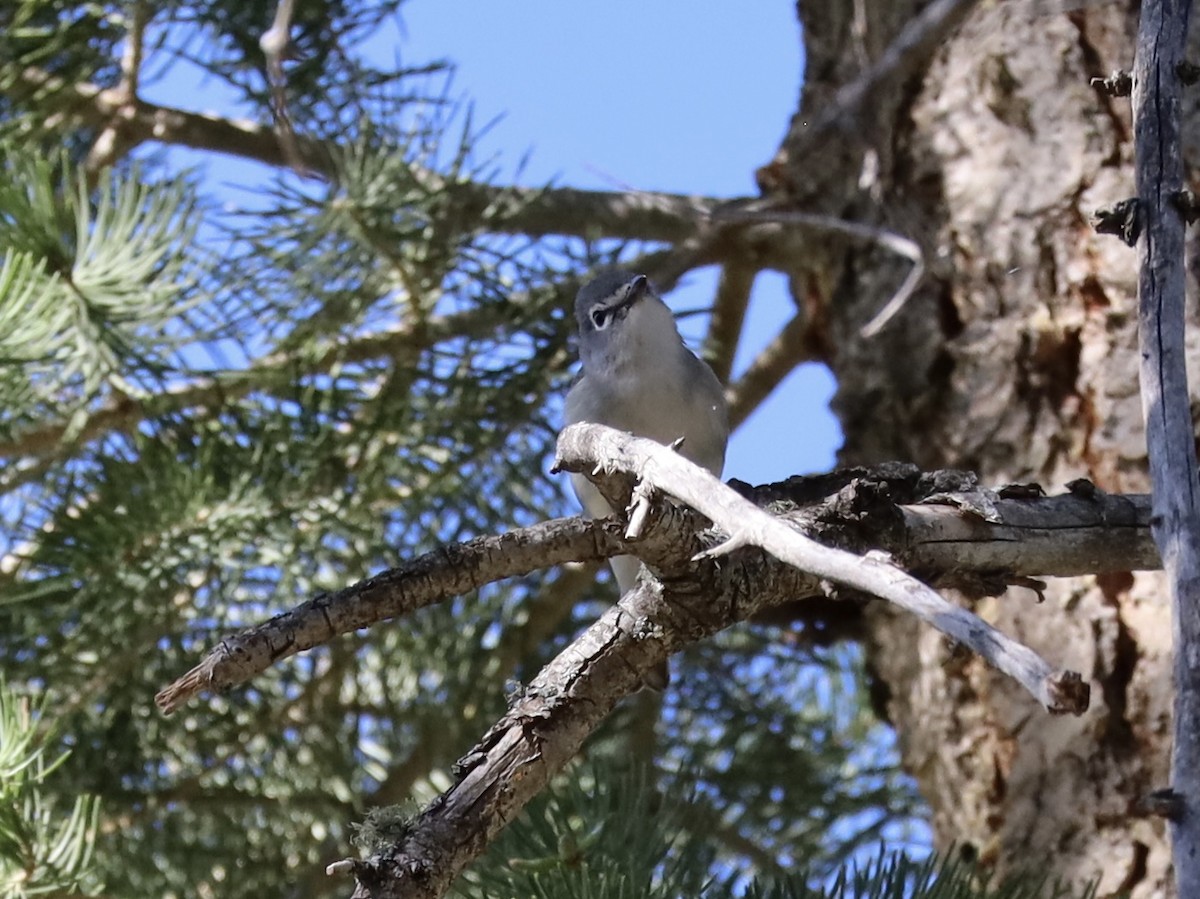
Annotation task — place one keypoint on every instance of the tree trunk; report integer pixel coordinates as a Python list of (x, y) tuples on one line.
[(1017, 358)]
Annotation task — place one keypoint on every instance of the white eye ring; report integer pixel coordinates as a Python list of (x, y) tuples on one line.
[(600, 317)]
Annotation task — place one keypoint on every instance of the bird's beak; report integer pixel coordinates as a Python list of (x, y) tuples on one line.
[(634, 291)]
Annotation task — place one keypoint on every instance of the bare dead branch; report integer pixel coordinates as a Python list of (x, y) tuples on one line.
[(1170, 434), (449, 571), (729, 311), (777, 360), (965, 538), (583, 446), (1059, 536), (544, 728), (549, 721)]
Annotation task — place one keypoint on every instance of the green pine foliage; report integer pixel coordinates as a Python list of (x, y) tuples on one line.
[(46, 845), (602, 835), (599, 833), (895, 876), (94, 277)]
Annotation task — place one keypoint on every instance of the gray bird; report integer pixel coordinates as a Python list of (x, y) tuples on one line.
[(639, 377)]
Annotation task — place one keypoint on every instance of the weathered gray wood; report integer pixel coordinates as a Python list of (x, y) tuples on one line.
[(1059, 536), (1170, 436), (550, 719), (884, 508), (581, 446)]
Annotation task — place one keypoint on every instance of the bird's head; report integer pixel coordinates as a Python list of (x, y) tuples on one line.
[(621, 319)]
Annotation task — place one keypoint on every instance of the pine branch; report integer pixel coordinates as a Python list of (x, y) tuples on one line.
[(34, 448), (736, 229), (92, 296), (42, 850), (122, 414), (633, 215)]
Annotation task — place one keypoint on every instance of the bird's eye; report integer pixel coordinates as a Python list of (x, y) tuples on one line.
[(600, 317)]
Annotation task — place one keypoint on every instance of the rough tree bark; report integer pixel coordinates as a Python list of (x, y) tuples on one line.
[(1017, 358)]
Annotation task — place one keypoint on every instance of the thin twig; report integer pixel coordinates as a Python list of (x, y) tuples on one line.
[(902, 246), (275, 43), (110, 141)]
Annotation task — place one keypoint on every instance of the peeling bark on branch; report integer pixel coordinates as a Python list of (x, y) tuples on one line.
[(1060, 536), (549, 721), (745, 525), (694, 599), (940, 525)]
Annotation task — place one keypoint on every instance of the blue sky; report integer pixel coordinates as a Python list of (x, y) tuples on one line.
[(630, 94), (684, 97)]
